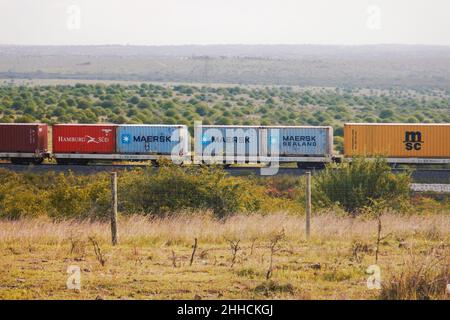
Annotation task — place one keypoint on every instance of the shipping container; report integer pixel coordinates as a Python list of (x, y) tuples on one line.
[(221, 140), (23, 138), (152, 139), (301, 141), (397, 140), (84, 138)]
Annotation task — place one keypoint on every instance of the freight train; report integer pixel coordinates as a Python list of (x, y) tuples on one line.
[(308, 146)]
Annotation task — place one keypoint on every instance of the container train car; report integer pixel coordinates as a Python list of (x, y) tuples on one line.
[(23, 143), (400, 143), (305, 145), (80, 143), (308, 146)]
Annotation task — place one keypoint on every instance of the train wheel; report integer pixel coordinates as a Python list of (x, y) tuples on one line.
[(310, 165), (62, 161), (82, 162), (20, 161), (155, 163), (38, 161)]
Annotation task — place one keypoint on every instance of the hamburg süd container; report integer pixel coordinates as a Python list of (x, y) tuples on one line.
[(23, 138), (397, 140), (84, 138), (153, 139), (300, 140), (221, 140)]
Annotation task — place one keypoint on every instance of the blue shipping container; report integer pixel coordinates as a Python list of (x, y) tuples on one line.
[(232, 140), (152, 139), (300, 141)]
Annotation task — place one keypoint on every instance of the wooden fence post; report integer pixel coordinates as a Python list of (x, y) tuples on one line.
[(308, 205), (114, 208)]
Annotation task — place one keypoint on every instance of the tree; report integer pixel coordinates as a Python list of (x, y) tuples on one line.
[(134, 100)]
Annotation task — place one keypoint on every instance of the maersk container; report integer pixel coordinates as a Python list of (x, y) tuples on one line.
[(397, 140), (153, 139), (23, 138), (221, 140), (84, 138), (296, 141)]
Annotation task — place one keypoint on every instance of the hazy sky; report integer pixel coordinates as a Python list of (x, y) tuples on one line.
[(147, 22)]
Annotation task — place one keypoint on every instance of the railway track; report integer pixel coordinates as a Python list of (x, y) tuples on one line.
[(418, 175)]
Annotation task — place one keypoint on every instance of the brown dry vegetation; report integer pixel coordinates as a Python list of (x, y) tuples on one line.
[(152, 260)]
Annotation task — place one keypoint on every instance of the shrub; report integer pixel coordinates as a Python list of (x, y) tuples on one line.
[(419, 281), (79, 197), (19, 200), (174, 189), (359, 184), (270, 287)]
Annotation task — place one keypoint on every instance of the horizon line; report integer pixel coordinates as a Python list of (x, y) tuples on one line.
[(223, 44)]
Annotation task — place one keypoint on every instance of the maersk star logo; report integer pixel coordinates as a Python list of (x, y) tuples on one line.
[(126, 138), (205, 139)]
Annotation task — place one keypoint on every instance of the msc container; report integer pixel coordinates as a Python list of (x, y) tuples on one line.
[(84, 138), (153, 139), (299, 141), (397, 140), (221, 140), (23, 138)]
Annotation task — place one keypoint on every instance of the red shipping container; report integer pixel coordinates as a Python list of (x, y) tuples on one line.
[(84, 138), (23, 137)]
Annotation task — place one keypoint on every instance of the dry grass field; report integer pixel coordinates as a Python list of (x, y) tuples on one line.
[(232, 258)]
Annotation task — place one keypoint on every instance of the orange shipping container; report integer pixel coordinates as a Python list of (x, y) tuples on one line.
[(397, 140)]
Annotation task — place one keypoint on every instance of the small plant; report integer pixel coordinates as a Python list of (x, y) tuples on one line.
[(194, 248), (98, 252), (234, 247), (174, 259), (358, 250), (270, 287), (274, 247), (376, 210), (247, 273), (77, 247), (252, 246)]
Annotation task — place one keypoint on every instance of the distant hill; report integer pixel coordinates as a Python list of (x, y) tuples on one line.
[(375, 66)]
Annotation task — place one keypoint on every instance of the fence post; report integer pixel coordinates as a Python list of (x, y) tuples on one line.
[(114, 208), (308, 205)]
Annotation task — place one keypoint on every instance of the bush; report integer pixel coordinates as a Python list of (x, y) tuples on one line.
[(174, 189), (359, 184), (18, 200), (79, 197), (170, 189)]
